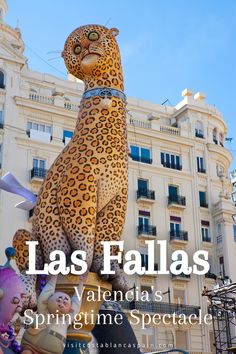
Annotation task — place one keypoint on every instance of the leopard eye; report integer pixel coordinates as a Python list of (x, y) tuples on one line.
[(77, 49), (93, 36)]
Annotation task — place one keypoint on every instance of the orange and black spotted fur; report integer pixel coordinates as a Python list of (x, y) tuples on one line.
[(83, 198)]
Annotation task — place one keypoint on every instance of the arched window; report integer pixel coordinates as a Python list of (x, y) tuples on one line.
[(2, 80), (214, 136), (199, 130)]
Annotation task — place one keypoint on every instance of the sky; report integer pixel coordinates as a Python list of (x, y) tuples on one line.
[(166, 45)]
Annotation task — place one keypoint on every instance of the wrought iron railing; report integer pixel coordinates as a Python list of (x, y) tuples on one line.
[(160, 307), (176, 199), (147, 230), (38, 172), (145, 193), (181, 275), (179, 235)]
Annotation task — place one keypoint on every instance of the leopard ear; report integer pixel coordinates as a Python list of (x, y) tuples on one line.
[(1, 293), (114, 32)]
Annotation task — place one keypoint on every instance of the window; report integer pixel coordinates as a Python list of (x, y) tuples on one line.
[(214, 136), (175, 227), (234, 231), (148, 338), (144, 221), (67, 135), (140, 154), (202, 199), (40, 127), (38, 163), (221, 266), (170, 161), (2, 80), (199, 130), (200, 165), (205, 229), (179, 297), (144, 260), (147, 290)]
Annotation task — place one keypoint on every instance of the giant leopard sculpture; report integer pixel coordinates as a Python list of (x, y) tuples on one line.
[(84, 195)]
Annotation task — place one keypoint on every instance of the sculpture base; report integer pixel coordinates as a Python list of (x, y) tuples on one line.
[(78, 339)]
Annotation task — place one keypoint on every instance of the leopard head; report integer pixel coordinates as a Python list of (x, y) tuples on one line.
[(91, 54)]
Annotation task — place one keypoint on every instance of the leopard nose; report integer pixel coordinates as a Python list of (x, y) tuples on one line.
[(85, 43)]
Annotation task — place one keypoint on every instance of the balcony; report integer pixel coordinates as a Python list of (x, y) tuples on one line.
[(1, 125), (38, 174), (172, 166), (145, 195), (176, 201), (181, 277), (170, 130), (201, 170), (160, 307), (147, 231), (146, 268), (210, 275), (206, 239), (141, 159), (179, 237), (203, 204), (44, 137), (199, 134)]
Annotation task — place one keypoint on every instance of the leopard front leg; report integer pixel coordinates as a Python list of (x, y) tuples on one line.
[(77, 203), (109, 226)]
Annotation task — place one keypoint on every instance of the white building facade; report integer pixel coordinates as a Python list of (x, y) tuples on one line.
[(179, 190)]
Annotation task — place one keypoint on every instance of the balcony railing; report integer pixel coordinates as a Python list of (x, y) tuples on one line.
[(210, 275), (145, 193), (181, 275), (170, 130), (179, 235), (176, 199), (145, 265), (199, 134), (42, 99), (38, 173), (204, 204), (1, 125), (201, 170), (206, 239), (147, 230), (160, 307), (141, 158), (172, 165), (140, 123)]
